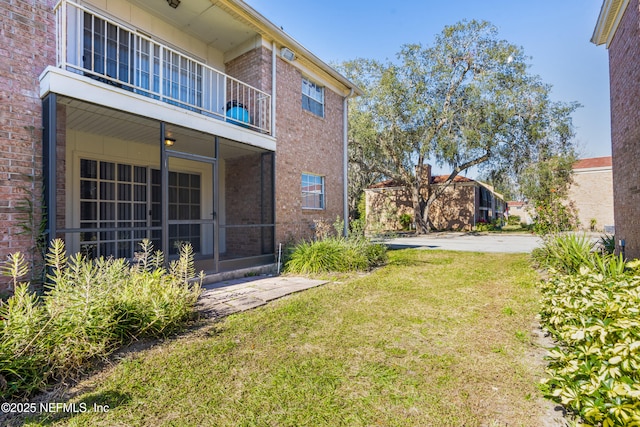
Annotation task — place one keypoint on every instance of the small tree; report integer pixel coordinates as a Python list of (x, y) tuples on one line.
[(546, 184)]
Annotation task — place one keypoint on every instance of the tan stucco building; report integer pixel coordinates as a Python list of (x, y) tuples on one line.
[(592, 193)]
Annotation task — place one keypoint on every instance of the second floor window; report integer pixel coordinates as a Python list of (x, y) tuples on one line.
[(312, 97)]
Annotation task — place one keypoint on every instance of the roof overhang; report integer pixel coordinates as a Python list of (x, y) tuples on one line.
[(610, 16), (232, 27), (270, 31)]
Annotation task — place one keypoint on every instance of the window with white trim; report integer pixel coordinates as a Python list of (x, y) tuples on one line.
[(312, 191), (312, 97)]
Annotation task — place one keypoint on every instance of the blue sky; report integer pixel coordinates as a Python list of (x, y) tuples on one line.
[(554, 33)]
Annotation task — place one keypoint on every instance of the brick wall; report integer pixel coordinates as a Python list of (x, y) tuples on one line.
[(248, 195), (27, 46), (453, 210), (306, 143), (624, 69), (253, 68), (384, 206)]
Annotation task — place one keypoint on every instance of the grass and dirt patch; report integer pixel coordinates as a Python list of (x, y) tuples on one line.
[(433, 338)]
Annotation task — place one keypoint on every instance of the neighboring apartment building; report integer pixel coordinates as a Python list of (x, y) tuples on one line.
[(618, 27), (461, 206), (172, 120), (592, 193), (520, 209)]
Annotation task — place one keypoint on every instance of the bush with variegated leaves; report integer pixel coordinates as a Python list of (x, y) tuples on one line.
[(595, 368)]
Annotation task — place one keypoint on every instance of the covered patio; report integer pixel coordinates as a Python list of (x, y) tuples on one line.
[(114, 178)]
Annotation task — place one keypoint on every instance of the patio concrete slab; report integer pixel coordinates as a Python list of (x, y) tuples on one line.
[(233, 296)]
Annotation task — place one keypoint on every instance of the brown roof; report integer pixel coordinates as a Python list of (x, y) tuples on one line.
[(594, 162), (515, 204), (385, 184), (434, 180), (442, 178)]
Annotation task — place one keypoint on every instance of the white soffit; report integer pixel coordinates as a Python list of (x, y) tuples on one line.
[(610, 16)]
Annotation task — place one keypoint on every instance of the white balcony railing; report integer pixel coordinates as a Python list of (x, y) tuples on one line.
[(97, 47)]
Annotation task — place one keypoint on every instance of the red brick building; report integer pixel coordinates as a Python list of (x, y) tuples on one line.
[(618, 28), (176, 121)]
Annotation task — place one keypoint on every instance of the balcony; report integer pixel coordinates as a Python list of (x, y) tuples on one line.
[(95, 46)]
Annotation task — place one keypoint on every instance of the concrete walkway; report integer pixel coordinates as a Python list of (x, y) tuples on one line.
[(233, 296)]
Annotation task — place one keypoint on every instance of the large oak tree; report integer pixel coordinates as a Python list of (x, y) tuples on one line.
[(468, 100)]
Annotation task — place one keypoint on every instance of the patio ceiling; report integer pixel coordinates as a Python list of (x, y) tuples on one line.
[(202, 19), (90, 118)]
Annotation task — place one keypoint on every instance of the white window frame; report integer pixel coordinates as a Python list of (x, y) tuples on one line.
[(309, 182), (312, 96)]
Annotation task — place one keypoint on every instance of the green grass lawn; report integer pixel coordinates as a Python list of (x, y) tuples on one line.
[(432, 339)]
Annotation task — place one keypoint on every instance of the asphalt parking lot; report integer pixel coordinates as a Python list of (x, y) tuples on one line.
[(471, 242)]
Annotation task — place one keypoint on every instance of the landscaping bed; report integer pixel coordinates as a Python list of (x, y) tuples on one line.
[(90, 308), (590, 307)]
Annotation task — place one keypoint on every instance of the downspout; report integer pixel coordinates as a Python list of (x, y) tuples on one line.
[(274, 58), (345, 162)]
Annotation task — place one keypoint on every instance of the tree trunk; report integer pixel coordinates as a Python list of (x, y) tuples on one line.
[(425, 217), (422, 227)]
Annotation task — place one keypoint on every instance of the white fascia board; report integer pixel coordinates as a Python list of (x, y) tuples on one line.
[(609, 18), (73, 85)]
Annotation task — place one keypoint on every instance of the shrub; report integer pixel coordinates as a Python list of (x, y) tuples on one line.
[(590, 306), (406, 221), (564, 252), (90, 308), (513, 227), (595, 369), (607, 244), (569, 253), (514, 220), (554, 216), (483, 225), (23, 358), (334, 255)]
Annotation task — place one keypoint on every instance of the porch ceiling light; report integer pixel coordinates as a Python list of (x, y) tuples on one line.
[(173, 3), (169, 141)]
